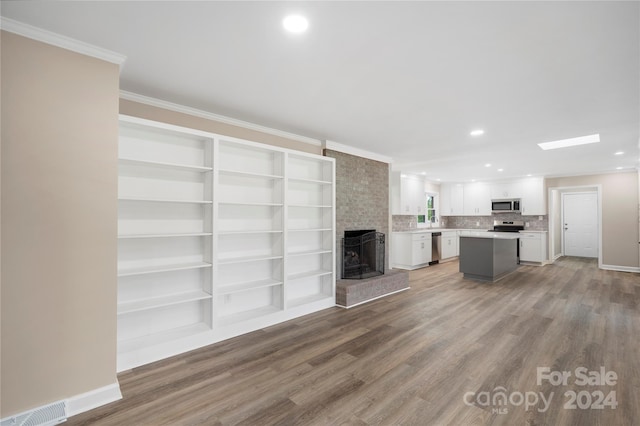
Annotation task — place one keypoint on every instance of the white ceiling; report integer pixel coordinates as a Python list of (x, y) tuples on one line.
[(408, 80)]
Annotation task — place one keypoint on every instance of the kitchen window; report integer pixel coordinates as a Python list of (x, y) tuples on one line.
[(430, 217)]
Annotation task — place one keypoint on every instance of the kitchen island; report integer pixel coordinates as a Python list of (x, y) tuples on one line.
[(488, 256)]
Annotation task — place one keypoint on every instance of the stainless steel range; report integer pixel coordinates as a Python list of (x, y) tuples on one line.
[(507, 226)]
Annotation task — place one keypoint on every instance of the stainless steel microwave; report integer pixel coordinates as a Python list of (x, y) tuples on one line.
[(505, 206)]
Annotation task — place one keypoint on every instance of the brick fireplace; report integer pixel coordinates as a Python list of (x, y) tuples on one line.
[(362, 196), (362, 203)]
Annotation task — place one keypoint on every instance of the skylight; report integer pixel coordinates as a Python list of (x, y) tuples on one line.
[(295, 23), (563, 143)]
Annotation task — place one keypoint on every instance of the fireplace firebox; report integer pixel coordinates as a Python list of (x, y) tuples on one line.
[(363, 254)]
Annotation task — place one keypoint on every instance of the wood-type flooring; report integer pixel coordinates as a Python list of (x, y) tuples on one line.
[(449, 351)]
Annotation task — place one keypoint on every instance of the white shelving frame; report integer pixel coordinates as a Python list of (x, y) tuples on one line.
[(218, 236), (165, 237)]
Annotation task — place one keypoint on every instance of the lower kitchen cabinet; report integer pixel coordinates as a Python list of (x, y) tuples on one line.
[(533, 247), (449, 246), (411, 250)]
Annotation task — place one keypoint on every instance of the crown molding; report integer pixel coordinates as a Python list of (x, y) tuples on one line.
[(64, 42), (346, 149), (134, 97)]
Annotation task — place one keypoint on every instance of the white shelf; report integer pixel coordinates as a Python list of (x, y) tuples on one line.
[(310, 230), (195, 234), (227, 261), (322, 182), (309, 252), (247, 315), (162, 268), (157, 200), (251, 231), (240, 287), (307, 299), (320, 206), (259, 231), (150, 340), (306, 274), (249, 204), (159, 302), (163, 165), (248, 174)]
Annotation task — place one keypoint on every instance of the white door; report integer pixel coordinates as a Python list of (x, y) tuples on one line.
[(580, 224)]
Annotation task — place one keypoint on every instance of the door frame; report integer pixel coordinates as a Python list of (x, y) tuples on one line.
[(554, 221)]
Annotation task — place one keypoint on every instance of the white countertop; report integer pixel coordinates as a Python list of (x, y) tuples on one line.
[(430, 230), (491, 235)]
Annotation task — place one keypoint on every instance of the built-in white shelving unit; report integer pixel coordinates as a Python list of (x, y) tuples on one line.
[(217, 236), (310, 225), (250, 243), (165, 237)]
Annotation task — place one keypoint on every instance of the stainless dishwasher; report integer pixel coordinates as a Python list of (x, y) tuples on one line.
[(436, 247)]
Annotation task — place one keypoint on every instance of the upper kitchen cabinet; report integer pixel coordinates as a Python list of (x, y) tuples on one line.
[(533, 200), (477, 199), (506, 190), (408, 195), (451, 199)]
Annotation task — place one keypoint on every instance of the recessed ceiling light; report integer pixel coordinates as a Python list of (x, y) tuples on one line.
[(295, 23), (473, 180), (619, 153), (477, 132), (423, 173), (403, 175), (487, 165), (563, 143), (501, 170), (618, 168), (438, 179), (529, 175)]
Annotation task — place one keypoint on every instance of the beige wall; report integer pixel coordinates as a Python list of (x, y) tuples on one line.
[(59, 223), (149, 112), (619, 214)]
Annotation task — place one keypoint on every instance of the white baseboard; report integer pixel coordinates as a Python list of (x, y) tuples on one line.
[(621, 268), (93, 399)]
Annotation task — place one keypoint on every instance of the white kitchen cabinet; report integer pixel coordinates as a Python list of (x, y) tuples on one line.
[(533, 200), (411, 250), (477, 199), (421, 252), (451, 199), (449, 246), (506, 190), (408, 195), (533, 247), (217, 237)]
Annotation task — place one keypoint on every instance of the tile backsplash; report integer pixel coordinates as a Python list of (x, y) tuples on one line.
[(401, 223), (409, 223)]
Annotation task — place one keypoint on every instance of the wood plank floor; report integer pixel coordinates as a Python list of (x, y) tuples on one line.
[(412, 358)]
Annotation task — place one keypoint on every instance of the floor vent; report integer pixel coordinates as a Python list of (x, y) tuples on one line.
[(48, 415)]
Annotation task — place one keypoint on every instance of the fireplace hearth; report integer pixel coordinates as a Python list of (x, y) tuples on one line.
[(363, 254)]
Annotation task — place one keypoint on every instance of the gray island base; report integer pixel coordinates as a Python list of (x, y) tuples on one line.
[(487, 256)]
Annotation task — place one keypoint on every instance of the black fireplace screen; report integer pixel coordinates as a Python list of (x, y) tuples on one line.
[(363, 253)]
